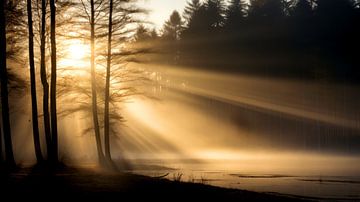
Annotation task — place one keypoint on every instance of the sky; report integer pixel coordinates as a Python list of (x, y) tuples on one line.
[(160, 10)]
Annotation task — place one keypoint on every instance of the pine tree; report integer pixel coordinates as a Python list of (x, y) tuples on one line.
[(215, 13), (235, 14), (191, 7), (173, 26)]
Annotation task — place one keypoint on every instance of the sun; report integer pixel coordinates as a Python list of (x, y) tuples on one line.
[(77, 51), (76, 54)]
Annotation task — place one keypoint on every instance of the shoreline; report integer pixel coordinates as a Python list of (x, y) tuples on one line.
[(93, 185)]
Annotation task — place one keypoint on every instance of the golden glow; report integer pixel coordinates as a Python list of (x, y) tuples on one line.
[(77, 51), (75, 55)]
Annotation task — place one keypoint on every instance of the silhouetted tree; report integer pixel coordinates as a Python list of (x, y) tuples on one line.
[(153, 34), (1, 147), (91, 14), (120, 17), (54, 130), (171, 36), (191, 7), (142, 33), (215, 12), (9, 156), (173, 26), (107, 86), (34, 108), (44, 80), (235, 14), (266, 9)]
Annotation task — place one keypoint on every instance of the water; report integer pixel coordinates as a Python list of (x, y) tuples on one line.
[(292, 137), (319, 187)]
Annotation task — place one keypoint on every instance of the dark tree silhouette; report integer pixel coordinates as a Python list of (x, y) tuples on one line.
[(34, 108), (9, 156), (142, 33), (1, 147), (93, 84), (54, 130), (191, 7), (268, 9), (44, 80), (195, 23), (171, 36), (215, 13), (173, 26), (234, 14), (107, 87), (120, 16)]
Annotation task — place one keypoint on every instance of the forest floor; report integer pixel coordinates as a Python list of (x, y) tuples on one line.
[(70, 184)]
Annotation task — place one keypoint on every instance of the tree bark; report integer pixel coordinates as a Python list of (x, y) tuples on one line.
[(9, 155), (107, 90), (34, 108), (53, 119), (93, 85), (44, 81)]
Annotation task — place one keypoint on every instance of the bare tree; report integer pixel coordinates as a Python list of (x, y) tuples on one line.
[(107, 89), (54, 131), (1, 149), (34, 108), (44, 81), (9, 155), (120, 17)]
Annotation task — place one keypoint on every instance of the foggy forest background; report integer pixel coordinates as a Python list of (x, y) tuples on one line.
[(304, 39)]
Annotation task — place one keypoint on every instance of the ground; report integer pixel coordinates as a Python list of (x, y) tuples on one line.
[(70, 184)]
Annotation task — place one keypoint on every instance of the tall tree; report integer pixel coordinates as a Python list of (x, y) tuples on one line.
[(173, 26), (9, 155), (267, 9), (34, 108), (44, 80), (107, 88), (53, 119), (120, 17), (142, 33), (93, 84), (196, 23), (191, 7), (234, 14), (1, 147), (215, 12)]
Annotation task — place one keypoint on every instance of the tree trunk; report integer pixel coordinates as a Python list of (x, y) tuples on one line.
[(9, 155), (107, 90), (54, 131), (93, 85), (44, 81), (1, 149), (34, 108)]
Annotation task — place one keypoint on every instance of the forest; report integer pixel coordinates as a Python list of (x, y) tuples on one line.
[(304, 39), (54, 31), (257, 95)]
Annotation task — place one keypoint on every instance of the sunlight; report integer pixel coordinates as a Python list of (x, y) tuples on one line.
[(75, 56), (77, 51)]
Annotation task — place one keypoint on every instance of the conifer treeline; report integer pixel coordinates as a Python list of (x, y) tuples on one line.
[(307, 38)]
